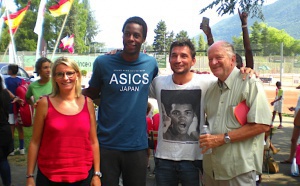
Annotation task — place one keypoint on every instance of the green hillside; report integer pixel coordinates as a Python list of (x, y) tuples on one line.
[(282, 14)]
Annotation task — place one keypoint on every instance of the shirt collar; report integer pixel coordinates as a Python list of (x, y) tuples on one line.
[(228, 83)]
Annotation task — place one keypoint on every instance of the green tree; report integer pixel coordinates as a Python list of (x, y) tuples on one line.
[(201, 43), (147, 47), (80, 22), (193, 40), (253, 7), (159, 43), (170, 39), (95, 47), (269, 39), (92, 26), (182, 35)]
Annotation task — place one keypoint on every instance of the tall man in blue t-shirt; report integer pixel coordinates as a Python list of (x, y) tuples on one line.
[(123, 81)]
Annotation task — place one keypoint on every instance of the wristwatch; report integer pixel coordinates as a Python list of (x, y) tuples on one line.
[(226, 138), (99, 174)]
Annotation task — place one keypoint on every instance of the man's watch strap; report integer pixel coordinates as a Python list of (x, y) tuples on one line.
[(226, 138)]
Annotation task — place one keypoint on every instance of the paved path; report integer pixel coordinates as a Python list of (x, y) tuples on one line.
[(281, 139)]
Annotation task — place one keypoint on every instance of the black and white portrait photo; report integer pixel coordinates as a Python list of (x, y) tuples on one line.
[(181, 114)]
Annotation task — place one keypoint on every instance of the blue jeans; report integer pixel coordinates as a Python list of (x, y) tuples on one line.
[(171, 173)]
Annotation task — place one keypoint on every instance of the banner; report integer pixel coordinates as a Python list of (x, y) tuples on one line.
[(15, 19), (67, 43), (40, 18), (61, 8)]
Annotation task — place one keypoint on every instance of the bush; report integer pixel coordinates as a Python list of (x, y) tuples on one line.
[(83, 72)]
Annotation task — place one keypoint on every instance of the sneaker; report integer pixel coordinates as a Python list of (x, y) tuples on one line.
[(279, 127), (12, 153), (22, 151)]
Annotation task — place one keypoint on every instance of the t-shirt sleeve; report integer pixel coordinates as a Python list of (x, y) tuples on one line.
[(29, 92), (280, 93)]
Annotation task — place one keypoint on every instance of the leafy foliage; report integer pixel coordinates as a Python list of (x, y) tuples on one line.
[(275, 15), (268, 40), (159, 43), (182, 35), (253, 7), (81, 22)]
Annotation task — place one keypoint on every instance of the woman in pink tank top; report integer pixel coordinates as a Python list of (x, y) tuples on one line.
[(64, 142)]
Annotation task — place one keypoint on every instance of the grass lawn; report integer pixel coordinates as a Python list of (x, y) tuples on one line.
[(18, 159)]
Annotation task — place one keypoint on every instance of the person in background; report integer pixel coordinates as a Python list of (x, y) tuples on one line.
[(42, 86), (233, 160), (12, 83), (6, 141), (277, 103), (122, 81), (155, 119), (64, 143), (295, 134), (149, 127)]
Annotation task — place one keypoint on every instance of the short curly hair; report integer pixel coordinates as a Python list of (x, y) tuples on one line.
[(137, 20), (39, 63)]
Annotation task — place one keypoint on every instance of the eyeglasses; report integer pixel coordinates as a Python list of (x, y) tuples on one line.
[(69, 74)]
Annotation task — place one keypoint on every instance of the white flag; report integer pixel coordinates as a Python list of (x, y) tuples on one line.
[(40, 18)]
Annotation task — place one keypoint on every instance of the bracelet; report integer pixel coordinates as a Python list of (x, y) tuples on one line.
[(29, 175), (244, 26)]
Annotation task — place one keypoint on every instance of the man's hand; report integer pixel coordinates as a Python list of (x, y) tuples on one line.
[(18, 100), (37, 102), (208, 141), (113, 52), (206, 31), (248, 71), (166, 119), (243, 17), (291, 108)]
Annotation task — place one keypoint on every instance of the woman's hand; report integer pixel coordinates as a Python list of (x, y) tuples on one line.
[(30, 181), (96, 181)]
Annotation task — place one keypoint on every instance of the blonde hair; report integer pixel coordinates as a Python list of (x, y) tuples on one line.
[(70, 63)]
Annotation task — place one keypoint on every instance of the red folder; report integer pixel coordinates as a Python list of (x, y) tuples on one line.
[(241, 111)]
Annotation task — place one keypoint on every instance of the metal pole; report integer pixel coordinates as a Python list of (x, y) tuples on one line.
[(58, 38), (281, 54)]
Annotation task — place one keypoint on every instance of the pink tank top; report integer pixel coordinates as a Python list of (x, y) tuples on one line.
[(65, 153)]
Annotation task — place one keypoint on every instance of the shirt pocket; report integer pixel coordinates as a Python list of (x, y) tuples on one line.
[(231, 122)]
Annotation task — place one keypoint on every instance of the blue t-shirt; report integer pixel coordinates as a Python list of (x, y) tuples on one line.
[(12, 84), (124, 94)]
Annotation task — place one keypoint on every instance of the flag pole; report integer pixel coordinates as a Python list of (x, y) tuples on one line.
[(38, 29), (12, 39), (61, 30)]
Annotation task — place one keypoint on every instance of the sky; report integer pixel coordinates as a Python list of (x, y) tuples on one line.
[(177, 14)]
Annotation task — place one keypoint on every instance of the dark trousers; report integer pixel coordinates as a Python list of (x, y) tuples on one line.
[(5, 172), (42, 180), (132, 165)]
